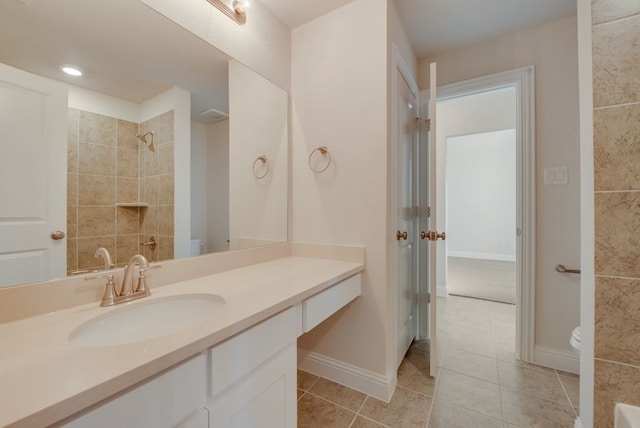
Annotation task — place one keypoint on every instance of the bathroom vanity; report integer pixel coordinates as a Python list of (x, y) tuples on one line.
[(234, 367)]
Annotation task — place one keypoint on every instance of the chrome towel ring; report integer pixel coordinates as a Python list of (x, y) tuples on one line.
[(325, 153), (265, 165)]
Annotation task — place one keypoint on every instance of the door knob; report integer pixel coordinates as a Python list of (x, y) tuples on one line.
[(402, 235), (433, 236), (57, 235)]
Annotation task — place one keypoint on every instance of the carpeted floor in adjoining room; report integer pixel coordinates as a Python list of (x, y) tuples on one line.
[(482, 279)]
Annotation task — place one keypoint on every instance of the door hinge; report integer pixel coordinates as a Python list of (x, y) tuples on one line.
[(427, 122), (428, 212), (428, 298)]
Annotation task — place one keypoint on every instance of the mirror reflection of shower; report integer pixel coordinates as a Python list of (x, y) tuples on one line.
[(148, 143)]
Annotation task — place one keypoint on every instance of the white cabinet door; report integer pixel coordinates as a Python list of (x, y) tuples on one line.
[(198, 420), (266, 398), (163, 401)]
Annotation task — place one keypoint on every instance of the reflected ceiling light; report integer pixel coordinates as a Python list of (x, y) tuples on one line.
[(235, 11), (72, 71)]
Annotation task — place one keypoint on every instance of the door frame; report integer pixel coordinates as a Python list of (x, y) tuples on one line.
[(523, 80)]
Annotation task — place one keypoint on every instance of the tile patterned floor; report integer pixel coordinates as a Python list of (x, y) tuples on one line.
[(479, 384)]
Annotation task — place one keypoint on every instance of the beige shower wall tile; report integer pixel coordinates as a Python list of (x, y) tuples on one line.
[(165, 128), (149, 162), (616, 59), (96, 159), (73, 124), (126, 247), (72, 189), (96, 221), (127, 190), (72, 255), (617, 148), (127, 163), (97, 129), (165, 158), (87, 249), (608, 10), (72, 221), (614, 383), (126, 134), (149, 190), (617, 243), (149, 221), (617, 320), (96, 189), (165, 248), (165, 220), (165, 189), (127, 220), (72, 157)]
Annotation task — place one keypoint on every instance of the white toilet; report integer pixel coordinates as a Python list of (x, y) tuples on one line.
[(196, 247), (575, 340)]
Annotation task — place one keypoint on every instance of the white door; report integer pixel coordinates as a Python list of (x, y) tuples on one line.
[(33, 170), (406, 140), (427, 221)]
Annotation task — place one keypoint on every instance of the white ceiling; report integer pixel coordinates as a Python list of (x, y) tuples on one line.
[(435, 26), (124, 48)]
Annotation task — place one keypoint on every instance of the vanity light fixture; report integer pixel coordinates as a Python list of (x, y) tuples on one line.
[(72, 71), (235, 11)]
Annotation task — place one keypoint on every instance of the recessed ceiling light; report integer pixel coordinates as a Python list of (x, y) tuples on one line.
[(72, 71)]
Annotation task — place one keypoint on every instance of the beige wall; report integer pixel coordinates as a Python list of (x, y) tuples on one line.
[(616, 98), (263, 43), (339, 99), (258, 126), (552, 49)]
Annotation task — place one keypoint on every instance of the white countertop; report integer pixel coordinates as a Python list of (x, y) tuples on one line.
[(44, 378)]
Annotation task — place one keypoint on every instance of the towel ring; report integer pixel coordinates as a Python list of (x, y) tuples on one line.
[(325, 152), (265, 161)]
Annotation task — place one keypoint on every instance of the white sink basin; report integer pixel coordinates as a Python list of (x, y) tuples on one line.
[(627, 416), (146, 319)]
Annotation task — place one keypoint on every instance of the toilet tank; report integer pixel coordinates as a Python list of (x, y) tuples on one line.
[(195, 247)]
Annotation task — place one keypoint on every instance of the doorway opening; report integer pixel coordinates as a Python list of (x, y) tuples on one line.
[(477, 133), (518, 246)]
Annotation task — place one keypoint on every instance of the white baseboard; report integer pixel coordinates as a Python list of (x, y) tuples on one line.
[(578, 423), (441, 290), (555, 358), (345, 374), (482, 256)]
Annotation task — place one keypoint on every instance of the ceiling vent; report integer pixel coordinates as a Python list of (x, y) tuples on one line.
[(213, 115)]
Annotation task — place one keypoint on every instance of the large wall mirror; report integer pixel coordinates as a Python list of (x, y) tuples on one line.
[(165, 146)]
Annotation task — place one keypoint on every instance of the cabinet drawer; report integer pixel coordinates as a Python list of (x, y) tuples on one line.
[(321, 306), (237, 356), (163, 401)]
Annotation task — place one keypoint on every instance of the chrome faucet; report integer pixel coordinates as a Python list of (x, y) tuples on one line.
[(127, 291), (104, 253)]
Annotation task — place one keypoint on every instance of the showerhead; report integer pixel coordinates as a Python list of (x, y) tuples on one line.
[(143, 138)]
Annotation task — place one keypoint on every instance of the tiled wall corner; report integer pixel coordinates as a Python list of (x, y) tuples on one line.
[(616, 86), (156, 163), (108, 166)]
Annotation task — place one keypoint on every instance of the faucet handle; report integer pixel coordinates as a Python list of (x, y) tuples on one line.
[(142, 280), (109, 292)]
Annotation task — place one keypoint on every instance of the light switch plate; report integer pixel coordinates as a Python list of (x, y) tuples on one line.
[(556, 175)]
